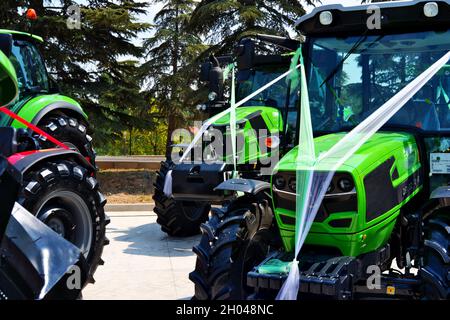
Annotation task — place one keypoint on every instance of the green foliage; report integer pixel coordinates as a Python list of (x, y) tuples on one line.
[(144, 91), (170, 70), (97, 64), (224, 22)]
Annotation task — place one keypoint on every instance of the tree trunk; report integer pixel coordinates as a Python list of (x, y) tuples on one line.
[(172, 117)]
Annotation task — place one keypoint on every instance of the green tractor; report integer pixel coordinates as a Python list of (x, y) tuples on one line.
[(183, 211), (383, 227), (44, 192), (39, 101)]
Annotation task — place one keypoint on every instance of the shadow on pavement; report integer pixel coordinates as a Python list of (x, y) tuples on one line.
[(149, 240)]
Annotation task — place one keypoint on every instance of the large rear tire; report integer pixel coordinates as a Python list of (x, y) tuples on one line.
[(71, 131), (234, 241), (177, 218), (436, 261), (65, 196)]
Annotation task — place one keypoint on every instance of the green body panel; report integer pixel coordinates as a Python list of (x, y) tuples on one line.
[(8, 81), (20, 33), (250, 152), (361, 236), (30, 108)]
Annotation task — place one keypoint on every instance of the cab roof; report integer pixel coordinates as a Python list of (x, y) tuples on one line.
[(397, 16), (22, 34)]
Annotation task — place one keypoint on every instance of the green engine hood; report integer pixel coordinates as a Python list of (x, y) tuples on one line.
[(386, 175), (377, 147)]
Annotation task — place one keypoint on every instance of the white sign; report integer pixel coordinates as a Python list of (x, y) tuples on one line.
[(440, 163)]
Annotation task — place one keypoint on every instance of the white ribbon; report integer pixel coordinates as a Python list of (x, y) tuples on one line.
[(318, 183)]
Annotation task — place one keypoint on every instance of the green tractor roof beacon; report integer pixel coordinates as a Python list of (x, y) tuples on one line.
[(39, 100), (182, 213), (389, 200)]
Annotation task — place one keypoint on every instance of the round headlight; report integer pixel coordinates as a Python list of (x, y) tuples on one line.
[(326, 18), (293, 184), (279, 182), (431, 9), (212, 96), (346, 185)]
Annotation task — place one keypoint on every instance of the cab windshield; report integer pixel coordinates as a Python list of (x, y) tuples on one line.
[(30, 68), (349, 78), (275, 96)]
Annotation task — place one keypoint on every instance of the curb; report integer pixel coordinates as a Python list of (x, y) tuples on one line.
[(130, 207)]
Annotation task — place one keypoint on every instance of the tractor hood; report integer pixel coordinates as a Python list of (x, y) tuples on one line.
[(271, 117), (386, 167), (374, 150)]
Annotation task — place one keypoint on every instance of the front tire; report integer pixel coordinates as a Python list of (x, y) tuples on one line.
[(234, 241), (65, 196), (177, 218), (436, 260)]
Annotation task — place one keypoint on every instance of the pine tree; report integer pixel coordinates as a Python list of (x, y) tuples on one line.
[(224, 22), (169, 66), (88, 63)]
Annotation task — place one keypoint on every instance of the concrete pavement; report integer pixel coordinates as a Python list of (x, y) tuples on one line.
[(142, 262)]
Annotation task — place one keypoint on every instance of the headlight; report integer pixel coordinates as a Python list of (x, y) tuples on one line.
[(293, 184), (279, 182), (201, 107), (326, 18), (212, 96), (431, 9), (346, 185)]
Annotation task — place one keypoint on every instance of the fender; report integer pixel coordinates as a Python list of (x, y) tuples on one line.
[(33, 110), (26, 160), (39, 256), (247, 186)]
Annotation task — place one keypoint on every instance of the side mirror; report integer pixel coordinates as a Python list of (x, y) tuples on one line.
[(205, 68), (245, 53), (212, 73), (9, 88), (215, 80)]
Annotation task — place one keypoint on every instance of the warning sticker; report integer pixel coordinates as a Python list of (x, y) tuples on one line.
[(440, 163)]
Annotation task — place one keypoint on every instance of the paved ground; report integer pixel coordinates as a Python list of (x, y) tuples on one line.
[(141, 262)]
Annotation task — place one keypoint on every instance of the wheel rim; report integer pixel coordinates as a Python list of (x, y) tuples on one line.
[(67, 214), (193, 211)]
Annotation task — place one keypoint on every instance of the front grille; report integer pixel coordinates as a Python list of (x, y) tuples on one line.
[(335, 201)]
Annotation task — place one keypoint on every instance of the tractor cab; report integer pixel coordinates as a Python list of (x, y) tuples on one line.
[(259, 59), (32, 77), (380, 204)]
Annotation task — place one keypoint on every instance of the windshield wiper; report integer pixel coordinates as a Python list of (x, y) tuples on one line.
[(352, 50)]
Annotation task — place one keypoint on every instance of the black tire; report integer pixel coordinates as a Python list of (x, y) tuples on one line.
[(65, 196), (235, 239), (69, 130), (177, 218), (436, 260)]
